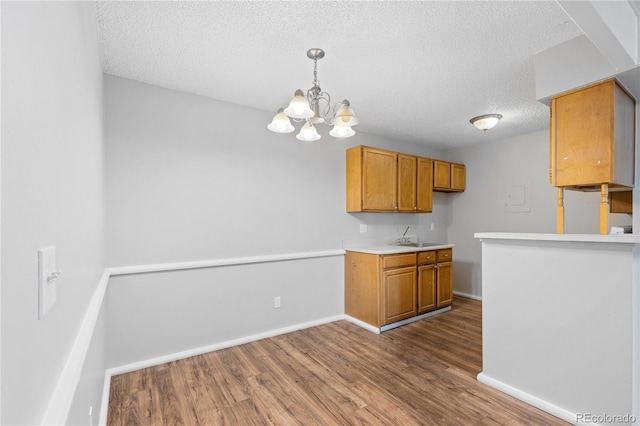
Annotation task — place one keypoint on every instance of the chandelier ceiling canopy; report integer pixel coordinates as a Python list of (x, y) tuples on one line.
[(315, 108)]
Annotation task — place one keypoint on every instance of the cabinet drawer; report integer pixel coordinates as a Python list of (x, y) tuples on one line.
[(445, 255), (425, 257), (398, 260)]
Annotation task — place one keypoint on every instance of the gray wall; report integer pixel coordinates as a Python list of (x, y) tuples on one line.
[(53, 191), (492, 169), (191, 178)]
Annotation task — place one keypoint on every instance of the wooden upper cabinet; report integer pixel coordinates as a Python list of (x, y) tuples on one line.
[(407, 170), (441, 174), (371, 179), (385, 181), (448, 177), (424, 185), (592, 137), (458, 177)]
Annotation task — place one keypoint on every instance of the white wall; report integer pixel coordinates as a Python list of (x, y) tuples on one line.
[(52, 191), (558, 322), (191, 178), (164, 313), (491, 169)]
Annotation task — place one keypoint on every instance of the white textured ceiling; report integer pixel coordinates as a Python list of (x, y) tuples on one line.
[(416, 71)]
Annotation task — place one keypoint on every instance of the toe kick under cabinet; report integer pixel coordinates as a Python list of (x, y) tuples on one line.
[(389, 290)]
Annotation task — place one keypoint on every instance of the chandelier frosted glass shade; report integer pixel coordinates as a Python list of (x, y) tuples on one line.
[(308, 133), (315, 108), (345, 116), (342, 132), (299, 106), (485, 122), (281, 123)]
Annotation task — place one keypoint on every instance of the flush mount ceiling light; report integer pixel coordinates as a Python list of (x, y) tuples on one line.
[(314, 109), (485, 122)]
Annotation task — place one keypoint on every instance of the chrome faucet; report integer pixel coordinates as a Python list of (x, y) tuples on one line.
[(403, 239)]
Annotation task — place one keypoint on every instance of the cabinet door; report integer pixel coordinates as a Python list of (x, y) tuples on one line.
[(441, 174), (407, 170), (582, 142), (378, 180), (445, 283), (399, 290), (424, 185), (427, 288), (458, 177), (621, 202)]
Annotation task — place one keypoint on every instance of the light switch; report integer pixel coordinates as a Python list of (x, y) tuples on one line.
[(47, 275), (363, 228)]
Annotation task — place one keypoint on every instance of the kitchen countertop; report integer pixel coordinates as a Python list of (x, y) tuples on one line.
[(381, 247), (573, 238)]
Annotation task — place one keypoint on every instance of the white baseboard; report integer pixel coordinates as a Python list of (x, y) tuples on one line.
[(362, 324), (62, 398), (546, 406), (467, 295), (199, 351)]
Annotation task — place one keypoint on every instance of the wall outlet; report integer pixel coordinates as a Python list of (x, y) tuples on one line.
[(433, 226), (276, 302), (363, 228)]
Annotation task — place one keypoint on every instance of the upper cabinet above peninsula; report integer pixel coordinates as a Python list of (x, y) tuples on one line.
[(379, 180), (592, 137)]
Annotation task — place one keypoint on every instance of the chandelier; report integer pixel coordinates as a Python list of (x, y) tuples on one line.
[(314, 109)]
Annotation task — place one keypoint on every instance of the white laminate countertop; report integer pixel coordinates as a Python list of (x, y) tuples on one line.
[(576, 238), (389, 248)]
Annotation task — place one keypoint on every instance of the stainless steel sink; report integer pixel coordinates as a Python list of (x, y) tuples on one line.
[(418, 244)]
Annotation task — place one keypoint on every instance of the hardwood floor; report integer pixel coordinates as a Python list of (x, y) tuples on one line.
[(423, 373)]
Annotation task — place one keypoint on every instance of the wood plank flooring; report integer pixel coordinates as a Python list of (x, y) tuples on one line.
[(423, 373)]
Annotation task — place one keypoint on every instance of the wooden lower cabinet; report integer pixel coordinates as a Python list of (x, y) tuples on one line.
[(445, 284), (427, 288), (435, 280), (399, 294), (384, 289)]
